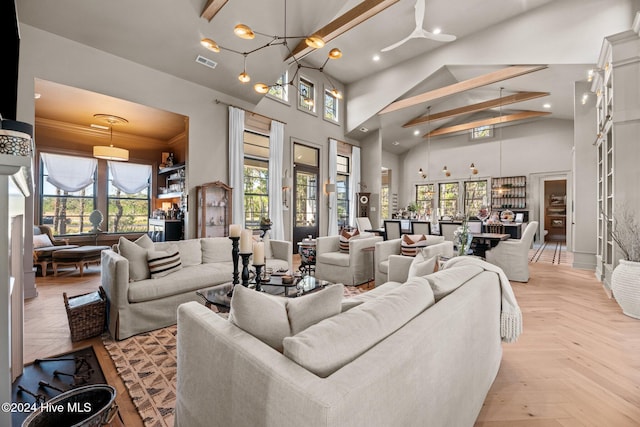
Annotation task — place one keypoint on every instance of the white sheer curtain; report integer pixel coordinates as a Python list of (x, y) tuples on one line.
[(332, 229), (130, 177), (354, 185), (69, 173), (276, 154), (236, 163)]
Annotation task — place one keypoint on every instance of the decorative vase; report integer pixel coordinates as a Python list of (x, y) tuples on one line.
[(625, 285), (463, 240)]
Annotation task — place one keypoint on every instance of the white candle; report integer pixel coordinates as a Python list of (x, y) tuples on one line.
[(245, 242), (258, 253), (234, 230)]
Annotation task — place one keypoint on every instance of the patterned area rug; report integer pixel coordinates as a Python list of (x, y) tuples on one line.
[(551, 253), (147, 364)]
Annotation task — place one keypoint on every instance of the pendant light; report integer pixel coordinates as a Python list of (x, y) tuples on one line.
[(110, 152)]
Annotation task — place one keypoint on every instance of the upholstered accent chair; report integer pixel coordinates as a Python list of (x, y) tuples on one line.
[(44, 245), (350, 268), (512, 255)]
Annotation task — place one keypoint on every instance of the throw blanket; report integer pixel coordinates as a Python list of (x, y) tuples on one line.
[(510, 315)]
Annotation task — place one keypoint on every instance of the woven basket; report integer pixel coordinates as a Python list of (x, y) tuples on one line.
[(86, 320)]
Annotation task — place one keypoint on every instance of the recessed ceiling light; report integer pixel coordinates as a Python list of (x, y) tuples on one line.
[(416, 132), (376, 57), (547, 105), (36, 95), (395, 143), (364, 129), (437, 30)]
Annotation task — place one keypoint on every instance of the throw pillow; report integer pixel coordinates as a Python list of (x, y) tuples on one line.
[(448, 280), (163, 263), (411, 244), (216, 249), (271, 318), (421, 266), (190, 250), (41, 241), (309, 309), (345, 236), (136, 253)]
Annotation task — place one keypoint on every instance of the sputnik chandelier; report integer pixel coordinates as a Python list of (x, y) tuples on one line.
[(243, 31)]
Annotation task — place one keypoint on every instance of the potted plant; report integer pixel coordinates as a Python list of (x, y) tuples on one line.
[(625, 280)]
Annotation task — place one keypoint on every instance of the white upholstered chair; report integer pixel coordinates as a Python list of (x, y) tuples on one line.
[(512, 255), (353, 268), (392, 229), (420, 227)]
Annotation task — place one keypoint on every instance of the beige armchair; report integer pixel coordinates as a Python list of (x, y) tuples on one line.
[(512, 255), (353, 268), (396, 271)]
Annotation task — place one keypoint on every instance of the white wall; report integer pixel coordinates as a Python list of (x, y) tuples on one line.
[(392, 162), (47, 56), (536, 147)]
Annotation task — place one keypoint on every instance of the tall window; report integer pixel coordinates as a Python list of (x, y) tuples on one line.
[(256, 179), (342, 191), (281, 89), (448, 197), (307, 95), (475, 194), (128, 208), (67, 212), (384, 193), (330, 106), (424, 197)]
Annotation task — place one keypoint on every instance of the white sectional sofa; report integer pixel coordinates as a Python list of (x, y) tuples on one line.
[(420, 353), (138, 303)]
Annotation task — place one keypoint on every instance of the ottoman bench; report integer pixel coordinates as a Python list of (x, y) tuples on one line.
[(80, 256)]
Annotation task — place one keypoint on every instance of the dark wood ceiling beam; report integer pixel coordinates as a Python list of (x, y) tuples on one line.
[(486, 122), (474, 108), (212, 7), (344, 23), (476, 82)]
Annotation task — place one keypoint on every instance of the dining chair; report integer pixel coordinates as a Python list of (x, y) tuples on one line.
[(447, 229), (363, 223), (475, 226), (392, 229), (420, 227)]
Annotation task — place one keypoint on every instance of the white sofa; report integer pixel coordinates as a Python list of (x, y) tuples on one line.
[(389, 248), (415, 363), (353, 268), (148, 304)]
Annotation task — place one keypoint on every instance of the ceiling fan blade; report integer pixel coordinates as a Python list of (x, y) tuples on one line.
[(438, 37), (401, 42)]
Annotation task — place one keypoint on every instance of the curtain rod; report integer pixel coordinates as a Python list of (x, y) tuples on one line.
[(217, 101)]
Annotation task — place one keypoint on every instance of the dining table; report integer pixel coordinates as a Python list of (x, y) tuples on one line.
[(482, 242)]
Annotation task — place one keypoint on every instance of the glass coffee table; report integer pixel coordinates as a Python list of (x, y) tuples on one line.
[(219, 296)]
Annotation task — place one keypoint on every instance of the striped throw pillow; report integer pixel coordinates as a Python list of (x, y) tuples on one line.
[(163, 263), (344, 240), (411, 244)]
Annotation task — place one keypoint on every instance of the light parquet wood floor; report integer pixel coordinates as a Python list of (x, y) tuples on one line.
[(577, 362)]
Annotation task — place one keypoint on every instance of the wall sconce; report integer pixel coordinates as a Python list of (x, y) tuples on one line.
[(474, 170), (445, 171), (287, 183), (422, 174), (329, 188)]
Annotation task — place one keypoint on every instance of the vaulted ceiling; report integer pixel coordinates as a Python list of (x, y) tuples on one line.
[(562, 36)]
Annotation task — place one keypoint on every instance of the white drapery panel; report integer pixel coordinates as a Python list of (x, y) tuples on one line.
[(354, 185), (129, 177), (236, 163), (332, 229), (276, 154), (69, 173)]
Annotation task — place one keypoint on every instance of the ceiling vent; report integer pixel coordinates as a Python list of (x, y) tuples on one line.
[(206, 61)]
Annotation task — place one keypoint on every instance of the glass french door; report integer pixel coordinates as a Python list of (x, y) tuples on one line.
[(306, 194)]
